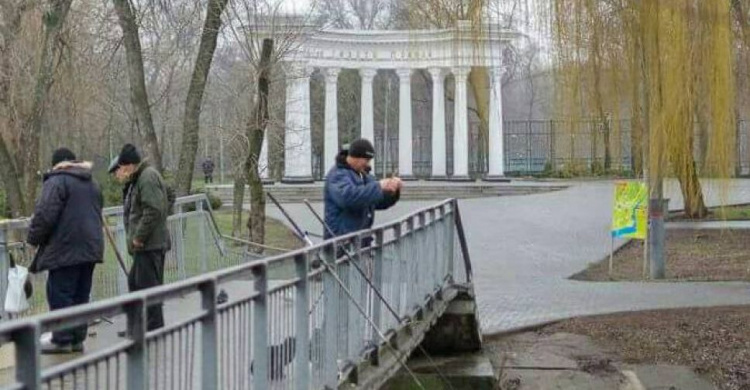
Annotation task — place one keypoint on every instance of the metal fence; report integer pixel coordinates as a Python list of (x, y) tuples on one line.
[(197, 247), (300, 331), (535, 146)]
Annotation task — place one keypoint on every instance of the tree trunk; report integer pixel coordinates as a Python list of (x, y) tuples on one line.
[(138, 94), (11, 177), (479, 79), (238, 195), (191, 122), (637, 121), (692, 193), (702, 142), (255, 128), (599, 102), (636, 128), (607, 145), (53, 21), (12, 186)]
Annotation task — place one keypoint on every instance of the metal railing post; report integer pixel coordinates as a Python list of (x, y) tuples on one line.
[(302, 323), (355, 335), (343, 320), (423, 270), (447, 239), (462, 242), (450, 238), (137, 354), (260, 330), (4, 266), (28, 359), (179, 245), (431, 254), (399, 272), (330, 322), (408, 241), (202, 235), (122, 247), (377, 277), (209, 337)]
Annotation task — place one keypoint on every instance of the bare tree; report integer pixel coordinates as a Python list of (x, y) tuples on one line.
[(266, 36), (195, 94), (255, 132), (25, 123), (138, 94), (355, 14)]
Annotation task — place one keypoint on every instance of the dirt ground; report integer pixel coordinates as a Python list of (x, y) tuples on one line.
[(714, 342), (692, 255)]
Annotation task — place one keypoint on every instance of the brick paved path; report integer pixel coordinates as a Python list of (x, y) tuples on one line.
[(525, 247)]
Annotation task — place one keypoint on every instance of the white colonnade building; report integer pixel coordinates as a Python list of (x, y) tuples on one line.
[(441, 52)]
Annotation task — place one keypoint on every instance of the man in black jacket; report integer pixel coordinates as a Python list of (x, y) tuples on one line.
[(67, 230)]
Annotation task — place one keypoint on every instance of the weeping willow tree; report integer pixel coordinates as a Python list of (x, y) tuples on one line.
[(669, 63)]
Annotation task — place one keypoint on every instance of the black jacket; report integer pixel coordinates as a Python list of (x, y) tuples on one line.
[(351, 199), (66, 226)]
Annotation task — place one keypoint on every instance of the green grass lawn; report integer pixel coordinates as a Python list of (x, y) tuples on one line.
[(729, 213), (277, 234), (737, 213)]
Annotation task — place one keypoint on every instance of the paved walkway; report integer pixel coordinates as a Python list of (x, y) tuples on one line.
[(525, 247)]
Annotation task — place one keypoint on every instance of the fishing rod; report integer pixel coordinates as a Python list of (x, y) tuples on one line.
[(303, 236), (378, 293), (112, 243)]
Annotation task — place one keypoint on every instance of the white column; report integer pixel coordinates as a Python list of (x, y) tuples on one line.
[(438, 123), (461, 126), (404, 124), (297, 143), (497, 158), (367, 108), (263, 158), (331, 141)]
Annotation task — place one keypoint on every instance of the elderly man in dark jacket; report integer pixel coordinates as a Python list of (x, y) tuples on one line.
[(352, 195), (145, 211), (67, 229), (208, 170)]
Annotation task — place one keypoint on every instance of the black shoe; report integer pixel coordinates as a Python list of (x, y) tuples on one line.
[(50, 348), (123, 333)]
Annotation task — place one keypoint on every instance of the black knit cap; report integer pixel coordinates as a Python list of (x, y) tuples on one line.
[(62, 154), (361, 148), (128, 155)]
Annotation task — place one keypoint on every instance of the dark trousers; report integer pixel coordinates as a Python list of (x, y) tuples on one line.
[(208, 177), (148, 271), (66, 287)]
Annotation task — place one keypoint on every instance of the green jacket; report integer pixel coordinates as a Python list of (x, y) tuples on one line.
[(145, 210)]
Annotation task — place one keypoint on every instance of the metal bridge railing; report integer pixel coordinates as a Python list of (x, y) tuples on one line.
[(295, 331), (197, 248)]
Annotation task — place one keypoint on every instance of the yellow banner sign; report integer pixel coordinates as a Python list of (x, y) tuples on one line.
[(630, 212)]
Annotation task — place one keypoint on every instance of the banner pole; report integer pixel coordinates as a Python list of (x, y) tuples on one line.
[(611, 253)]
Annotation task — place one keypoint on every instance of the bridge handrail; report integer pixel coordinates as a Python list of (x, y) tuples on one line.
[(188, 229), (423, 264)]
